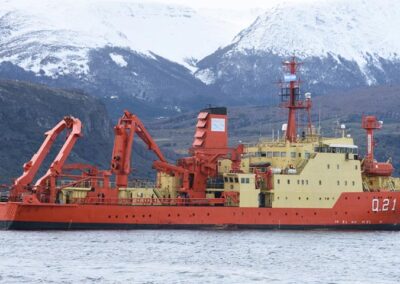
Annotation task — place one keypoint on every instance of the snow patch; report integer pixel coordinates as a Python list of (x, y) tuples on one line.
[(118, 59), (206, 76)]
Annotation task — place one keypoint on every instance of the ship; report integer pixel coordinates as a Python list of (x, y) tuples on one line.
[(293, 181)]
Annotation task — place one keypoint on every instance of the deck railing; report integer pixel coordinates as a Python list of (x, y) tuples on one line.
[(148, 201)]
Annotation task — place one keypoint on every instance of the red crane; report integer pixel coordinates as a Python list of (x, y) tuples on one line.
[(125, 130), (370, 166), (24, 182)]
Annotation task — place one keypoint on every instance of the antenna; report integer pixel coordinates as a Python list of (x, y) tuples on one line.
[(290, 97)]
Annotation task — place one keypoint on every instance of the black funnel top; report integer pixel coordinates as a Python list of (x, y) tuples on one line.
[(215, 110)]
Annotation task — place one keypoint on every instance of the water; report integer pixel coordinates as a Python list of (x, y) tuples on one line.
[(168, 256)]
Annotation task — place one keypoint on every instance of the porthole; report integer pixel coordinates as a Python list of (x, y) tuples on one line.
[(169, 215), (178, 215), (315, 213), (109, 216), (126, 216), (133, 216), (208, 214), (143, 216)]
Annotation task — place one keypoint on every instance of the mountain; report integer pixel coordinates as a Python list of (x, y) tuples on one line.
[(342, 44), (28, 110), (135, 54)]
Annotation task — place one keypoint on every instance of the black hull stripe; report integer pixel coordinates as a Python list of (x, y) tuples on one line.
[(20, 225)]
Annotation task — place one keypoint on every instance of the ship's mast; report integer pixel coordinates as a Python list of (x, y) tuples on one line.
[(290, 95)]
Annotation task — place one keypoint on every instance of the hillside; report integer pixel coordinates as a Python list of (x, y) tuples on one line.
[(28, 110)]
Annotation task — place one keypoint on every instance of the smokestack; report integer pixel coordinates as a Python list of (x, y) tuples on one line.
[(211, 129)]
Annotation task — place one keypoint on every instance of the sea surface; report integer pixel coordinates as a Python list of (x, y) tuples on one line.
[(204, 256)]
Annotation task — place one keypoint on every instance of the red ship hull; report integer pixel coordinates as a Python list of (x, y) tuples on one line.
[(374, 210)]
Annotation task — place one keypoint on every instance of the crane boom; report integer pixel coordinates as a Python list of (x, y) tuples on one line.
[(125, 130)]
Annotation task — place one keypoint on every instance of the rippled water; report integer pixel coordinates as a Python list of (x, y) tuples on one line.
[(166, 256)]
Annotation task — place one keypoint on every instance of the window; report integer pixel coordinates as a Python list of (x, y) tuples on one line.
[(293, 154), (307, 155), (345, 183), (298, 181), (353, 183), (278, 181), (263, 154), (231, 179), (242, 180), (299, 155), (338, 182), (247, 180), (277, 154), (306, 181), (236, 180), (283, 154), (320, 182), (225, 179), (328, 166), (356, 167), (269, 154), (337, 166), (288, 181), (302, 182)]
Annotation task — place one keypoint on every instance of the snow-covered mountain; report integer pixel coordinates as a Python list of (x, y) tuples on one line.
[(54, 37), (343, 44)]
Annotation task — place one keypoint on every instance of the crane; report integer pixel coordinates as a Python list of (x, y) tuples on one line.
[(124, 131), (24, 182)]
